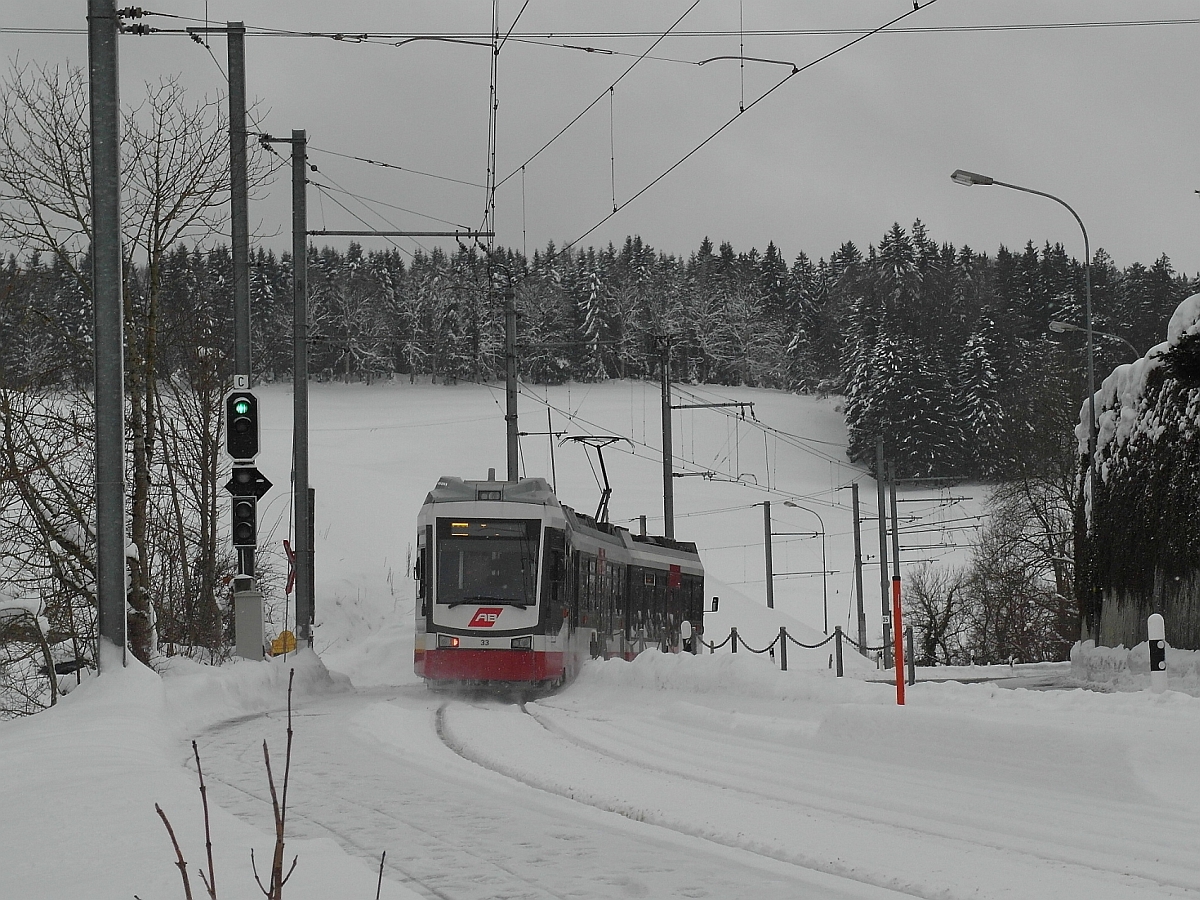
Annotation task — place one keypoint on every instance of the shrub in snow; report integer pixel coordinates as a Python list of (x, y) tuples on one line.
[(1129, 670)]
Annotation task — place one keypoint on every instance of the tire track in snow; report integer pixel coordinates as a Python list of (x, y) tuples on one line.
[(314, 786), (1117, 872), (1073, 857), (408, 879), (649, 817)]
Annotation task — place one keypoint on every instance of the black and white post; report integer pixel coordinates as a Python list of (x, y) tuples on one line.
[(1156, 633)]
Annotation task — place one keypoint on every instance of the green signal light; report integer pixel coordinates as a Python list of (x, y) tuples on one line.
[(241, 407)]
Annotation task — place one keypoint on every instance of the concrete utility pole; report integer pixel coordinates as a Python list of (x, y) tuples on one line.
[(884, 586), (510, 376), (858, 573), (239, 203), (664, 345), (301, 497), (767, 548), (105, 110)]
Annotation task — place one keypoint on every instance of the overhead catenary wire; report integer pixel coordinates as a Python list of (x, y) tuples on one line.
[(387, 165), (403, 209), (599, 97), (741, 60), (612, 149), (797, 441), (652, 453), (517, 19), (528, 36), (796, 70), (323, 190), (655, 453), (489, 202)]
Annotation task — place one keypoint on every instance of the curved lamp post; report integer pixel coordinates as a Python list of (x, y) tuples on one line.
[(961, 176), (1061, 327)]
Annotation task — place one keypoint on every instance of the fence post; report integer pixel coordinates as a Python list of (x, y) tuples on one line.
[(912, 662), (733, 638), (837, 648), (1156, 633), (782, 649)]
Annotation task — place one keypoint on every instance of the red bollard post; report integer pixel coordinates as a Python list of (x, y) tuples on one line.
[(898, 640), (782, 649), (733, 638)]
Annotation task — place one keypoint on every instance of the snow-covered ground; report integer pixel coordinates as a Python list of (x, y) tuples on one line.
[(672, 776)]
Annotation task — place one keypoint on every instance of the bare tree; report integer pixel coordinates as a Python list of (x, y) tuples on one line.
[(1013, 608), (174, 185), (935, 601), (47, 502)]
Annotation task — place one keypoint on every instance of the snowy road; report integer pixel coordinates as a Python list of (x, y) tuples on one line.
[(609, 790)]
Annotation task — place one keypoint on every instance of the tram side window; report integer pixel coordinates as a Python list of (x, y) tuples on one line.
[(587, 590), (609, 614), (421, 568), (694, 591), (554, 572), (633, 597), (677, 601), (617, 623), (604, 614)]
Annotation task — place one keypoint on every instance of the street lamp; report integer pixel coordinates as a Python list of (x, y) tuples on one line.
[(824, 566), (1061, 327), (961, 176)]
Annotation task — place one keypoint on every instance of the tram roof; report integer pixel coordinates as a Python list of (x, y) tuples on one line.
[(451, 489)]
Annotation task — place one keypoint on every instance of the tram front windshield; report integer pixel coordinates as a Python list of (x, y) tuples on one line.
[(487, 561)]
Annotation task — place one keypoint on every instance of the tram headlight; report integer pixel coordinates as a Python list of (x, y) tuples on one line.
[(447, 642), (523, 643)]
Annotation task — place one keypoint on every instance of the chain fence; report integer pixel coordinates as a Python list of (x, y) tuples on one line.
[(782, 640)]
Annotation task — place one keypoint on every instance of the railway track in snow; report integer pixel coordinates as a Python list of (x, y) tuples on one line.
[(1017, 850), (647, 816), (373, 818), (371, 772)]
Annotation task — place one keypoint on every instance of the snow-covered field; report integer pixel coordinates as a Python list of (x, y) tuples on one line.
[(672, 776)]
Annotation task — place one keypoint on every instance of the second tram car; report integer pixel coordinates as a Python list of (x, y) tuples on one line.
[(516, 589)]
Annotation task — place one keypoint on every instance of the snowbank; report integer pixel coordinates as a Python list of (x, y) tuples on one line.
[(80, 782), (1118, 669), (199, 696), (743, 674)]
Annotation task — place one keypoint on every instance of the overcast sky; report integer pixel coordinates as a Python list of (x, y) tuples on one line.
[(1102, 117)]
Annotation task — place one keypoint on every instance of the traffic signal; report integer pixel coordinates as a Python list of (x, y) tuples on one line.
[(245, 521), (247, 481), (241, 425)]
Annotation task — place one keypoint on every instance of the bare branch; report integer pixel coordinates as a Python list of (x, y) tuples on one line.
[(210, 883), (179, 860)]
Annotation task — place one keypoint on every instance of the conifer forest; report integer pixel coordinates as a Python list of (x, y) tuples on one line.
[(944, 350)]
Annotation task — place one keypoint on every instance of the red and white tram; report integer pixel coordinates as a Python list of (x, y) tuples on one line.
[(516, 589)]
